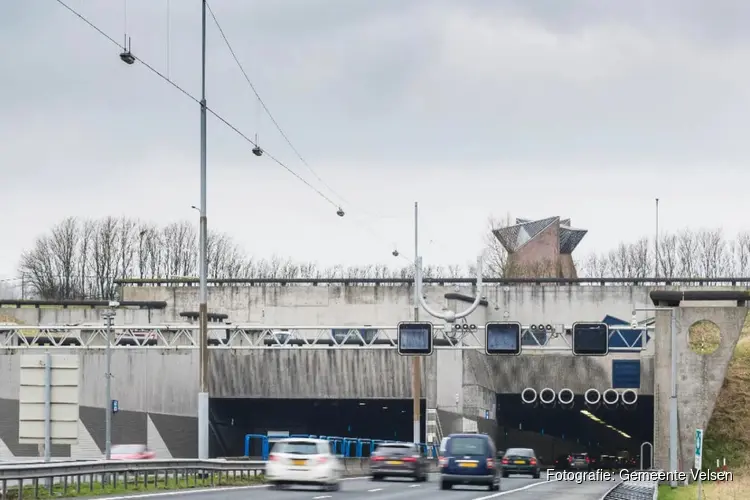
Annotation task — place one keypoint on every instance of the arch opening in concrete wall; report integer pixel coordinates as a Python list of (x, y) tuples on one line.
[(704, 337), (232, 419), (555, 431)]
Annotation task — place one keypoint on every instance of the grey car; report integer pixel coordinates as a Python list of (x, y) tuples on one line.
[(580, 461), (398, 460)]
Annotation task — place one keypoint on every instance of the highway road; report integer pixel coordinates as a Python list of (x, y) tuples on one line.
[(513, 488)]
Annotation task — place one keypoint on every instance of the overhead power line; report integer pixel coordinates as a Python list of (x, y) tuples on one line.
[(265, 108), (197, 101)]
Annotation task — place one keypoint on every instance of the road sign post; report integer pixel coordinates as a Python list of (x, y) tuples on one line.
[(699, 459), (48, 400)]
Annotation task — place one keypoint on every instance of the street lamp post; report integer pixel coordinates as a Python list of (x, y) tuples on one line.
[(416, 368), (673, 391), (109, 315), (202, 267)]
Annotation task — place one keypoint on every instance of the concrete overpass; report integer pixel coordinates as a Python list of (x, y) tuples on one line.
[(161, 384)]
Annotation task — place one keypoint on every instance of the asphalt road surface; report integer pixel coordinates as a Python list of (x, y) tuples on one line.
[(512, 488)]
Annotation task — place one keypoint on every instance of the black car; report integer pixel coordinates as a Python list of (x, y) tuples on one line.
[(520, 461), (562, 462), (469, 459), (398, 460)]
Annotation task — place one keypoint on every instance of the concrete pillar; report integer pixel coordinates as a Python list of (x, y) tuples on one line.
[(699, 377)]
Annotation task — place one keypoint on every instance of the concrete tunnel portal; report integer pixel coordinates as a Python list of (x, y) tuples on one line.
[(556, 424), (232, 419)]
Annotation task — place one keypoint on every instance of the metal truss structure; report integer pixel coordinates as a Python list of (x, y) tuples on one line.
[(257, 337)]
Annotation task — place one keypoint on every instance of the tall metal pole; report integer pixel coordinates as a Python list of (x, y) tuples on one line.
[(108, 391), (656, 240), (416, 380), (673, 403), (202, 265), (47, 406)]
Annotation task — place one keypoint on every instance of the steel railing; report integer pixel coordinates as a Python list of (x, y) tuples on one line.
[(633, 490), (14, 478)]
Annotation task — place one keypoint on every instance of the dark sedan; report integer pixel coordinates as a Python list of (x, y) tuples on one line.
[(520, 461), (398, 460)]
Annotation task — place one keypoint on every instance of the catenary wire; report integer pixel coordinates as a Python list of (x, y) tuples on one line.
[(196, 100), (265, 108), (221, 118)]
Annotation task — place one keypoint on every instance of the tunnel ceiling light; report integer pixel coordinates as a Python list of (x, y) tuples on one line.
[(385, 407), (362, 404), (593, 417)]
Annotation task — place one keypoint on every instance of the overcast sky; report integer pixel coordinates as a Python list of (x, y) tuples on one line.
[(583, 109)]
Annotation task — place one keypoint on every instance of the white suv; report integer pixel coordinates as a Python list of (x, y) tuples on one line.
[(303, 461)]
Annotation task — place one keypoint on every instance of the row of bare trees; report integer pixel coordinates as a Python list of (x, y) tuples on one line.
[(83, 258)]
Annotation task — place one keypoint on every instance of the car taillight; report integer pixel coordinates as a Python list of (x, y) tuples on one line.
[(588, 460), (273, 457), (443, 462), (570, 459), (490, 463), (532, 461), (377, 458), (505, 461), (410, 459), (322, 460)]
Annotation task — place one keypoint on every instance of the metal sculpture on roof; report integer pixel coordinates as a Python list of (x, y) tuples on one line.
[(540, 248)]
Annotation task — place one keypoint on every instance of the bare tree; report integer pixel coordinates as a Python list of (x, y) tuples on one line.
[(496, 257)]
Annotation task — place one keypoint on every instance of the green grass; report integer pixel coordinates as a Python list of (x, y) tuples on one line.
[(100, 489)]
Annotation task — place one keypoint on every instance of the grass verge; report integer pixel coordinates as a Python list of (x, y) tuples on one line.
[(162, 484), (737, 489)]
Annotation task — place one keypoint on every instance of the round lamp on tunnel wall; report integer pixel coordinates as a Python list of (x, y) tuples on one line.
[(528, 396), (549, 328), (629, 398), (592, 397), (547, 396), (610, 397), (565, 397)]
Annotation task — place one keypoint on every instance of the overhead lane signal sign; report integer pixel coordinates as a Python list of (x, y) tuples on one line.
[(415, 338), (503, 338), (590, 339)]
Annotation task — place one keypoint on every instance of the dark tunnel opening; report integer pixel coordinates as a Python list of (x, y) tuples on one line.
[(555, 431), (232, 419)]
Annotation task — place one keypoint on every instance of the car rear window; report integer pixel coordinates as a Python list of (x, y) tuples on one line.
[(467, 446), (297, 448), (389, 449), (520, 452), (579, 456)]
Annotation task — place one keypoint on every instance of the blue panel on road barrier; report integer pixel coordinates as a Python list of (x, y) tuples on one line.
[(626, 374)]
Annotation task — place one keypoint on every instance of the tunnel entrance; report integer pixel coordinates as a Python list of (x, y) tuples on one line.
[(556, 430), (232, 419)]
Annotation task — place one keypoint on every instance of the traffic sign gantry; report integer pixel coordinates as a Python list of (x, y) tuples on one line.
[(590, 339), (503, 337), (415, 338)]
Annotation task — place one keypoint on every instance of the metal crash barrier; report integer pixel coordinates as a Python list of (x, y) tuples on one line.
[(345, 447)]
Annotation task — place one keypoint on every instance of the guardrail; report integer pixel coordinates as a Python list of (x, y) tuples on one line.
[(633, 490), (84, 475), (344, 447), (73, 477)]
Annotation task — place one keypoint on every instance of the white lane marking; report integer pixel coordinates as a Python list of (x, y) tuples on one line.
[(515, 490), (415, 486), (374, 490), (208, 490), (321, 497)]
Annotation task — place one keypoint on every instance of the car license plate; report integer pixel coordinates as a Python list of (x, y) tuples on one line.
[(520, 462), (299, 462), (394, 462), (467, 464)]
